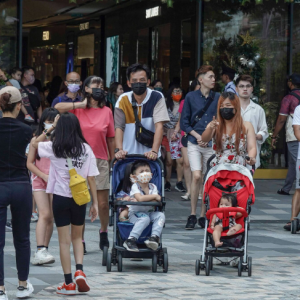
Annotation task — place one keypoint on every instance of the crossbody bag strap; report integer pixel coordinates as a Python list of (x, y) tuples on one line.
[(134, 107), (204, 109), (70, 165), (295, 95)]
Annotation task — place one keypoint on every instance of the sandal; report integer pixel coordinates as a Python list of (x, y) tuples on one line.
[(287, 226)]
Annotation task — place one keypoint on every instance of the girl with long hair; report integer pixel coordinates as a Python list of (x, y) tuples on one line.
[(171, 138), (67, 141), (39, 167), (233, 139), (97, 124)]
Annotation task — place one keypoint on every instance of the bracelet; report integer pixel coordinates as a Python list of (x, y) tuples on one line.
[(154, 152), (273, 137), (45, 131)]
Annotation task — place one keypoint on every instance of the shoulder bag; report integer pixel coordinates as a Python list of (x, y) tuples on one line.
[(142, 135), (184, 140), (78, 186)]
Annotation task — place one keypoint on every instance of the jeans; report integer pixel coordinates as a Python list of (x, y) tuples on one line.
[(19, 196), (292, 159), (142, 219)]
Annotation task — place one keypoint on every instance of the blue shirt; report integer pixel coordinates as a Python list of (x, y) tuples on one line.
[(193, 104), (230, 87), (65, 98)]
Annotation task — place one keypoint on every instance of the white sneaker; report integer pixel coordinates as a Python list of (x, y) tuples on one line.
[(24, 292), (186, 197), (3, 295), (34, 217), (42, 257)]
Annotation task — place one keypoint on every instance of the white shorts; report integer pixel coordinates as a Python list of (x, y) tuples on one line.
[(198, 156)]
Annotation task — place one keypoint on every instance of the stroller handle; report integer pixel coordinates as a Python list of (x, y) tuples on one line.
[(226, 209), (121, 203), (138, 156)]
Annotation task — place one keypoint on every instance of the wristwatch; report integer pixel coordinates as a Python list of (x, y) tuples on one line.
[(117, 150), (6, 80)]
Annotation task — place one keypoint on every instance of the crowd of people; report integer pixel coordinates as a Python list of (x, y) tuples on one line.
[(87, 126)]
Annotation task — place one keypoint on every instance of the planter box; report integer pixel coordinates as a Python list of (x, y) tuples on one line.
[(270, 173)]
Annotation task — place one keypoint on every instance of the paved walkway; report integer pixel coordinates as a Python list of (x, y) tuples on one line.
[(275, 260)]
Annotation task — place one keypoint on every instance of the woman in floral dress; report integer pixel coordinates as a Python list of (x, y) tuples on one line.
[(233, 139)]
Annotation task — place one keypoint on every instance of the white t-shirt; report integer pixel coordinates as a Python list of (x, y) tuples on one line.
[(59, 177), (296, 121), (136, 189)]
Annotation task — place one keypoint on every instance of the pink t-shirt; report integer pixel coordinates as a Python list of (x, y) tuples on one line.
[(180, 111), (59, 178), (96, 124)]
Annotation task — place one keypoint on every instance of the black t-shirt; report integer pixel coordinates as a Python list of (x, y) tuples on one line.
[(14, 138), (25, 99)]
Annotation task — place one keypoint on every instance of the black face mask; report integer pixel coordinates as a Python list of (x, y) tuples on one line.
[(227, 113), (139, 88), (97, 94)]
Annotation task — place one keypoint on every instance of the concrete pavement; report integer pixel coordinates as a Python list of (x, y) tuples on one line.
[(275, 260)]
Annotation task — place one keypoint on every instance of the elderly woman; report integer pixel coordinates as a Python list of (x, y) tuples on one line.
[(233, 139), (97, 124)]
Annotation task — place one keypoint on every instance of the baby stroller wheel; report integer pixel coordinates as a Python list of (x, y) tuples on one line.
[(108, 262), (211, 262), (120, 262), (294, 226), (202, 263), (207, 266), (249, 266), (154, 263), (166, 263), (240, 267), (197, 267), (104, 255)]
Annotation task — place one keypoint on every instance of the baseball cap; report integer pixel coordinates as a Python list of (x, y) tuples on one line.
[(294, 79), (14, 93)]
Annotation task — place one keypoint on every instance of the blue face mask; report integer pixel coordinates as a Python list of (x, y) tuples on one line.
[(159, 89)]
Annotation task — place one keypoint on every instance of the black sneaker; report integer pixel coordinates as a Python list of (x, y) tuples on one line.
[(153, 242), (103, 240), (84, 248), (282, 192), (191, 222), (180, 187), (130, 245), (168, 186), (201, 222)]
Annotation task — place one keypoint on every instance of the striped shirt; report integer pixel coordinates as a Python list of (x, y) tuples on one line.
[(151, 111)]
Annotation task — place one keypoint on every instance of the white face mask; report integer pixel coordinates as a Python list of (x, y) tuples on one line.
[(144, 177), (47, 126)]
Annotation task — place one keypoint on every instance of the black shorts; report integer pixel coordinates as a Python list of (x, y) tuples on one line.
[(66, 211)]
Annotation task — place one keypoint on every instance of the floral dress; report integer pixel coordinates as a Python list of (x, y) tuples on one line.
[(229, 153)]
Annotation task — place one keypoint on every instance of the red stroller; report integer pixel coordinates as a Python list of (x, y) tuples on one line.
[(227, 179)]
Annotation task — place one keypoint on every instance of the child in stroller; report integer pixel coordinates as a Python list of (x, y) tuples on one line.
[(141, 216), (128, 212), (227, 200)]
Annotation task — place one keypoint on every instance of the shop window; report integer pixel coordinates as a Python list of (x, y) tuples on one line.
[(296, 39), (8, 37), (268, 24), (186, 31), (143, 46), (160, 47), (84, 58), (48, 61)]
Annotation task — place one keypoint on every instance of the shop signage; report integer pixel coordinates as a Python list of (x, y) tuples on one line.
[(46, 35), (84, 26), (153, 12)]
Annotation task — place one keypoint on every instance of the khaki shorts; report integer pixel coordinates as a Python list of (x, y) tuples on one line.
[(102, 180), (198, 157)]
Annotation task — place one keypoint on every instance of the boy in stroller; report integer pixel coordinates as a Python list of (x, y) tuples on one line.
[(141, 216)]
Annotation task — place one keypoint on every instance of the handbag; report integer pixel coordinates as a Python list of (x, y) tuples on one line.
[(33, 99), (184, 139), (78, 186), (142, 135)]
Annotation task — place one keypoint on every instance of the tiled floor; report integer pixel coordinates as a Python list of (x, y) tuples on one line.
[(275, 255)]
